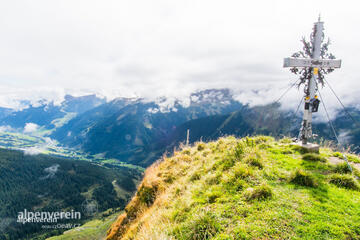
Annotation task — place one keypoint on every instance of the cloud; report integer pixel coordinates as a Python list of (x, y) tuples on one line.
[(33, 150), (41, 148), (6, 129), (166, 48), (51, 171), (30, 127)]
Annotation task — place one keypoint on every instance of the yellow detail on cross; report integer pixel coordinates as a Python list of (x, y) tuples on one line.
[(316, 71)]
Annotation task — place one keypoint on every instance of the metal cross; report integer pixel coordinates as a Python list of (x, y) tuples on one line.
[(315, 63)]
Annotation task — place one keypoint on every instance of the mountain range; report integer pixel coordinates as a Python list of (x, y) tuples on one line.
[(139, 131)]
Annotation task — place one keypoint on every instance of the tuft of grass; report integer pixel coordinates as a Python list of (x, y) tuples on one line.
[(147, 194), (195, 176), (286, 140), (342, 168), (344, 181), (338, 155), (353, 158), (186, 151), (303, 178), (255, 161), (261, 192), (242, 171), (203, 227), (239, 150), (200, 146), (313, 157), (263, 139)]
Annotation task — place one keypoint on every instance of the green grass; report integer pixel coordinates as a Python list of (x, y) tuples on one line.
[(313, 157), (251, 188), (300, 177)]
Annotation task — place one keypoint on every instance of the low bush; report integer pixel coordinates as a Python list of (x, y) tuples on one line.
[(342, 168), (200, 146), (338, 154), (205, 226), (239, 150), (261, 192), (353, 158), (303, 178), (195, 176), (263, 139), (255, 161), (242, 171), (313, 157), (344, 181), (147, 194)]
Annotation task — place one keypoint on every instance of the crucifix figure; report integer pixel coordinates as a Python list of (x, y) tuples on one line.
[(312, 64)]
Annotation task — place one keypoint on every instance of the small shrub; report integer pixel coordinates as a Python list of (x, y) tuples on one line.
[(227, 163), (213, 195), (263, 139), (313, 157), (303, 178), (342, 168), (223, 236), (255, 161), (338, 155), (200, 146), (344, 181), (353, 158), (239, 150), (186, 151), (242, 171), (250, 142), (195, 176), (286, 140), (299, 149), (147, 194), (356, 173), (212, 179), (205, 226), (168, 178), (261, 192)]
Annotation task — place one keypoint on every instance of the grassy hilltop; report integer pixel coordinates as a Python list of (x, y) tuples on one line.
[(250, 188)]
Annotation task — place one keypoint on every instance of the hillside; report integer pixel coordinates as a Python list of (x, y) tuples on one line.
[(44, 183), (137, 131), (250, 188)]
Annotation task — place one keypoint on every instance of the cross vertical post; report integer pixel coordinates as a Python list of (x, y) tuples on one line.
[(310, 91)]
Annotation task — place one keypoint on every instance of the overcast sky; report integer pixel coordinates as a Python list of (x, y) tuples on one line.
[(164, 47)]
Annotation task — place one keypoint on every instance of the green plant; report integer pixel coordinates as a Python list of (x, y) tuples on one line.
[(186, 151), (353, 158), (147, 194), (239, 150), (242, 171), (195, 176), (338, 154), (205, 226), (313, 157), (261, 192), (342, 168), (200, 146), (303, 178), (263, 139), (344, 181), (255, 161)]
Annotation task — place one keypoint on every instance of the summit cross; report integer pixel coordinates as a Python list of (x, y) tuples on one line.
[(314, 63)]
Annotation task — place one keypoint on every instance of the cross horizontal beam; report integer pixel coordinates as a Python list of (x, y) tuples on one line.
[(306, 62)]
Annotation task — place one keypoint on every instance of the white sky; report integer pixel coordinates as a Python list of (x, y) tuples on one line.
[(165, 47)]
